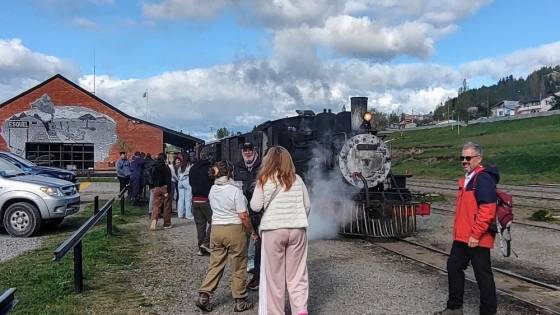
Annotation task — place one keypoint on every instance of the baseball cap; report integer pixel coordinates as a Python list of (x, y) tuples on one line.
[(192, 154), (247, 145)]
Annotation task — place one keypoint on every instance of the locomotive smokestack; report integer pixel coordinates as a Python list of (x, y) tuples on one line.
[(358, 107)]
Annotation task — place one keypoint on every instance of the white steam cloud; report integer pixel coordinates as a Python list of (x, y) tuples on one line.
[(330, 197)]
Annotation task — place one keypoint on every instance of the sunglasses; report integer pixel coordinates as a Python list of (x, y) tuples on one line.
[(467, 158)]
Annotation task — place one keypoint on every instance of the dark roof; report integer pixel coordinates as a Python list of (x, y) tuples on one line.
[(536, 98), (169, 135), (501, 103)]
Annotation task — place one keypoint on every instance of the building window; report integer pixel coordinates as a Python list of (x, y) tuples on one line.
[(81, 155)]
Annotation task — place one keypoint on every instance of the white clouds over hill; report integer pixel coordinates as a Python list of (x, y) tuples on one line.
[(323, 52)]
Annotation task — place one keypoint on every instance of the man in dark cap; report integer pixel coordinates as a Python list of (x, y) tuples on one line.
[(246, 171), (201, 183)]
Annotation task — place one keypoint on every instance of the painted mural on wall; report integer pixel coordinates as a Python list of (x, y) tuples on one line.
[(47, 123)]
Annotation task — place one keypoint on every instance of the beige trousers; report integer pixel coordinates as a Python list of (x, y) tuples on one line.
[(283, 266), (227, 241)]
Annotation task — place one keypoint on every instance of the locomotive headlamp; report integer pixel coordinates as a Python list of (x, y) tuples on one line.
[(368, 116)]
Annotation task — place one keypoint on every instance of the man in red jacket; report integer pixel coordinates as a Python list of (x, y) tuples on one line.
[(472, 241)]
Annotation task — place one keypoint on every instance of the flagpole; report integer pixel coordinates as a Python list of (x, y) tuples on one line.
[(147, 105)]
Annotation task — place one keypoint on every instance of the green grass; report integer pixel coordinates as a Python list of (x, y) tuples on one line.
[(526, 151), (47, 287)]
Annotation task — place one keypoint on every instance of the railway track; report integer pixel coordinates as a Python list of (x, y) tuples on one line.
[(436, 208), (546, 199), (543, 188), (531, 291), (549, 195)]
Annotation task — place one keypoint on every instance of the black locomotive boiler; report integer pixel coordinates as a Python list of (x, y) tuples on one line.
[(346, 145)]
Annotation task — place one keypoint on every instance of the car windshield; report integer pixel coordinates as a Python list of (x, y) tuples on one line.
[(7, 169), (22, 160)]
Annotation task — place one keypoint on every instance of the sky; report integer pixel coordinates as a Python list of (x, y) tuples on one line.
[(237, 63)]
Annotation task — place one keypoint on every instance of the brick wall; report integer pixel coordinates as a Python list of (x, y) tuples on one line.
[(141, 137)]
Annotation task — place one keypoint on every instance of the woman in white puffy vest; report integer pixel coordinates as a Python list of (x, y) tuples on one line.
[(283, 197)]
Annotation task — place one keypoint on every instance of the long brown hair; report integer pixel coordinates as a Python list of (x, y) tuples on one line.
[(277, 164)]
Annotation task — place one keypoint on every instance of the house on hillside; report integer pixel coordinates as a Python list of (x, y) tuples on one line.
[(537, 104), (504, 108)]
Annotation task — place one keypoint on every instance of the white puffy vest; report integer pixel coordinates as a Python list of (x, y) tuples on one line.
[(286, 210)]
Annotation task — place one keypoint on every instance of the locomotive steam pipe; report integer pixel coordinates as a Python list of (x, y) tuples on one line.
[(366, 188)]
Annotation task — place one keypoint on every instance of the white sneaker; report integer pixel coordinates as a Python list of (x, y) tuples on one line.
[(153, 225), (250, 265)]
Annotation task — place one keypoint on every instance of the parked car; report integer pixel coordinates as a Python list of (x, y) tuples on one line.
[(28, 202), (32, 168)]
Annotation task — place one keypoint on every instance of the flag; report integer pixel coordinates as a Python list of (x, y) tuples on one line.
[(145, 94)]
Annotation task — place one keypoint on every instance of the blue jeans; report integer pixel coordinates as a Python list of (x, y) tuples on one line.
[(184, 202)]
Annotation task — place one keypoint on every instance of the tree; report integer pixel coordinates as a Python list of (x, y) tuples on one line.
[(126, 146), (222, 133), (555, 102)]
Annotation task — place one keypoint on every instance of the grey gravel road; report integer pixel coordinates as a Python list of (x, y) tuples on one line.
[(346, 277)]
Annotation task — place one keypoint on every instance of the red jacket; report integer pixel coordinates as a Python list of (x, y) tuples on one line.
[(475, 210)]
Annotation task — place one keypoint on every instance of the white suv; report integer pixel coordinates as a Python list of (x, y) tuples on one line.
[(29, 201)]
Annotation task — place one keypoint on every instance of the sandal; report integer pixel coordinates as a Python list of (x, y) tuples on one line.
[(203, 302), (242, 305)]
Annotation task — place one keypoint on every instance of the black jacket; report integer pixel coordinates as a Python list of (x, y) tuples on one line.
[(161, 176), (199, 179), (242, 174)]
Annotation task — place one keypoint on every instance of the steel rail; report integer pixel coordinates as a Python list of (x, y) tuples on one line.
[(515, 222), (502, 271), (543, 307), (515, 193)]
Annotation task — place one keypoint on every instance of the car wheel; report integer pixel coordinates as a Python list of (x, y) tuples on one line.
[(22, 219)]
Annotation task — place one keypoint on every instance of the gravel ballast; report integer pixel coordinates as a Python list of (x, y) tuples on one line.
[(346, 277), (537, 249)]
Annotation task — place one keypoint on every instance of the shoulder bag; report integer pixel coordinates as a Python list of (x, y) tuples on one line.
[(276, 192)]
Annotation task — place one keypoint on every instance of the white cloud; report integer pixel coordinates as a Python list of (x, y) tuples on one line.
[(84, 23), (21, 68), (377, 30), (178, 9), (517, 63)]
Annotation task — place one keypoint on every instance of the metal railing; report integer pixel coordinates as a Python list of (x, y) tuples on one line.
[(75, 240), (7, 301)]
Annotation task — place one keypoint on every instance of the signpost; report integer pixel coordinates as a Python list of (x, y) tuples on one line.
[(23, 124)]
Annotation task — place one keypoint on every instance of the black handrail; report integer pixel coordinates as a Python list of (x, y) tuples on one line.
[(7, 301), (75, 240)]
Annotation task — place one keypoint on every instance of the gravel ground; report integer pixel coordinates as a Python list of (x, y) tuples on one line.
[(538, 249), (346, 277), (11, 247)]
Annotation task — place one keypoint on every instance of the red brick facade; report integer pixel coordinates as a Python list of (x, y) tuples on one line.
[(141, 137)]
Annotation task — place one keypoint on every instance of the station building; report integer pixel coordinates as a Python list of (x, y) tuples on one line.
[(59, 123)]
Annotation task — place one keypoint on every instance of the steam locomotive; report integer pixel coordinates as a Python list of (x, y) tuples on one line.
[(346, 147)]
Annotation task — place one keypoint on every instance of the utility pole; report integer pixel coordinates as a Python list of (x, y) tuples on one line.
[(488, 104)]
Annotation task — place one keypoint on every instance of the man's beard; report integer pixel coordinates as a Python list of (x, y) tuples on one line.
[(249, 160)]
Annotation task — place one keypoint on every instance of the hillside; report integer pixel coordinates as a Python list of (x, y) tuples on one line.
[(526, 151), (544, 80)]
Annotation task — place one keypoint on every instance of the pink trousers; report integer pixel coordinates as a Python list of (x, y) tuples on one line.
[(283, 266)]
